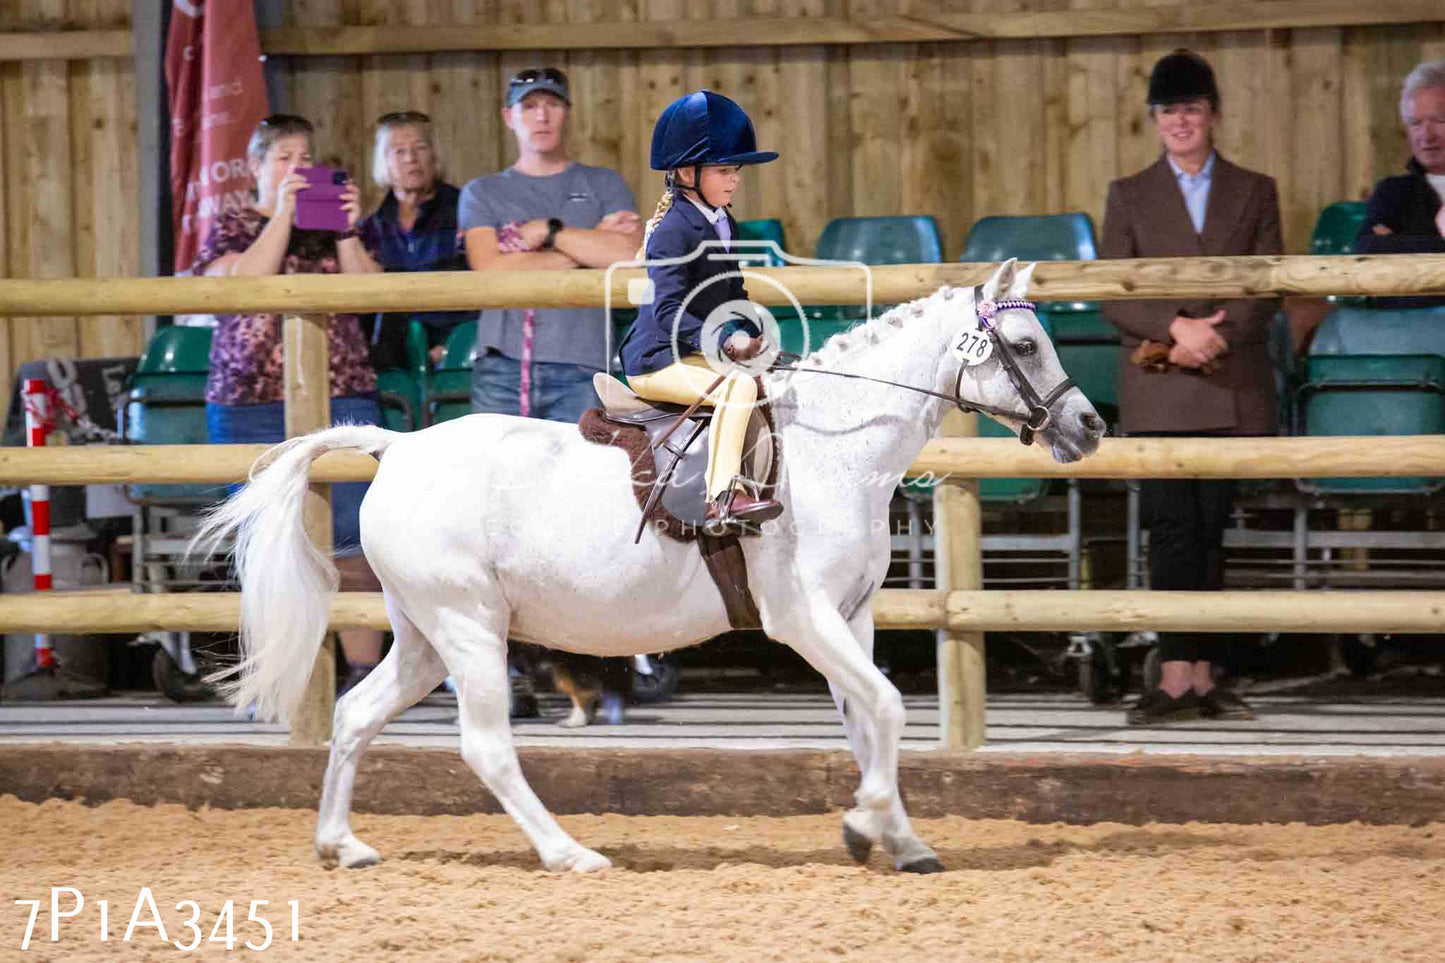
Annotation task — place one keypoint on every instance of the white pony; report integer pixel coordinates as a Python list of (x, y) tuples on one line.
[(490, 527)]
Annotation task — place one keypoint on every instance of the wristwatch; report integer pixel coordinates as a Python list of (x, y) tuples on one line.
[(554, 224)]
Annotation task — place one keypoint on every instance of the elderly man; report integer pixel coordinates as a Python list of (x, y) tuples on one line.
[(1406, 214)]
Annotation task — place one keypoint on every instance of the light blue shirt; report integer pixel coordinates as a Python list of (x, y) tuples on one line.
[(718, 218), (1195, 188)]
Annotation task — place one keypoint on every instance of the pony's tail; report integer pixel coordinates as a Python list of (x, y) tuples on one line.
[(286, 582)]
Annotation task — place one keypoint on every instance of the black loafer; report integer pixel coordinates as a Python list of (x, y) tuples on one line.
[(1157, 706), (1220, 703)]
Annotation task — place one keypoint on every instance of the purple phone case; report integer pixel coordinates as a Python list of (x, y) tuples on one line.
[(318, 207)]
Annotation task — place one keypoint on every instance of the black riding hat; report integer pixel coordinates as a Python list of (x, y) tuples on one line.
[(1182, 75)]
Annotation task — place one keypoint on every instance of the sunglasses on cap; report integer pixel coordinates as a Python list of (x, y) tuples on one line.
[(549, 74), (546, 78), (403, 117)]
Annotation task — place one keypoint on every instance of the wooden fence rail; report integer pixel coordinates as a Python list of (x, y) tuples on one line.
[(1128, 279), (1338, 457), (1400, 612)]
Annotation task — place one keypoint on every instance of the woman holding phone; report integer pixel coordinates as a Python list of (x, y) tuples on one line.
[(245, 385)]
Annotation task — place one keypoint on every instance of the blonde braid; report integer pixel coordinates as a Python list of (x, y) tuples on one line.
[(664, 204)]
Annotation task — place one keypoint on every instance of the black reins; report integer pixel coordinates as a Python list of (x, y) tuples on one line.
[(1038, 416)]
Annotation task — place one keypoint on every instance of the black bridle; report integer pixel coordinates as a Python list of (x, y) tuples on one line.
[(1034, 420), (1038, 417)]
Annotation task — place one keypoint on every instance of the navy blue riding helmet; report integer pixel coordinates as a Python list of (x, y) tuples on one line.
[(701, 128)]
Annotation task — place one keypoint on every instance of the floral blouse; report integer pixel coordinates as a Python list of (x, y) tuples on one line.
[(246, 361)]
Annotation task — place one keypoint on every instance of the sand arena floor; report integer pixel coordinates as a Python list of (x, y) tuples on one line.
[(726, 888)]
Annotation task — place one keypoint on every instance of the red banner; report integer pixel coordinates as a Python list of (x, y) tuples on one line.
[(217, 97)]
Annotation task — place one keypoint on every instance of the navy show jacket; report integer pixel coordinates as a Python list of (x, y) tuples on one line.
[(648, 345)]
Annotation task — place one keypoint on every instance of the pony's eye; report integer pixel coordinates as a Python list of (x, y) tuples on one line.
[(1025, 346)]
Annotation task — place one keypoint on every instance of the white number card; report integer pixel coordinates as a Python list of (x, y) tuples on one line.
[(973, 347)]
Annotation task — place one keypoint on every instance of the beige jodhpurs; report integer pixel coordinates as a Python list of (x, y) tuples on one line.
[(682, 383)]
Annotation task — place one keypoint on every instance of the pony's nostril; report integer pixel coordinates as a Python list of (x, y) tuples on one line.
[(1092, 423)]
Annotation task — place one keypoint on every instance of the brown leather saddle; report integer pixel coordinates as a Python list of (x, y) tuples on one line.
[(669, 477)]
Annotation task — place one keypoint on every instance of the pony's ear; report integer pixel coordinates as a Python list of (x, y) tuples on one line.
[(997, 287), (1020, 289)]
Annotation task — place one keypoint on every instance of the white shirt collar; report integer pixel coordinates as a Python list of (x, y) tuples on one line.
[(713, 216), (1205, 173)]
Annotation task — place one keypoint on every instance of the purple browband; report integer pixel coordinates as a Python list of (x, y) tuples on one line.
[(987, 308)]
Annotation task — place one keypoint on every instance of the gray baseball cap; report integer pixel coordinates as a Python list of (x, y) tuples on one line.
[(548, 79)]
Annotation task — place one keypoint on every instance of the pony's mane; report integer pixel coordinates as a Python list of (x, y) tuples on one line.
[(871, 332)]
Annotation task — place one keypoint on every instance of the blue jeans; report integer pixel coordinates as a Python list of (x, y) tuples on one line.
[(266, 424), (560, 392)]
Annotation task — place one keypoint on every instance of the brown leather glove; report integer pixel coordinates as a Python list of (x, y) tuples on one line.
[(749, 350), (1153, 356)]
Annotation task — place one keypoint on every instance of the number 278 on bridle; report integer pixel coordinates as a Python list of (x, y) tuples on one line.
[(973, 347)]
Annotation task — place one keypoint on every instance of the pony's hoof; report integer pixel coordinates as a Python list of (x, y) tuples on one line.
[(591, 863), (927, 864), (585, 861), (357, 855), (859, 846), (349, 853)]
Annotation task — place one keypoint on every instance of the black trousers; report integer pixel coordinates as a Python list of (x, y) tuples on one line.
[(1186, 518)]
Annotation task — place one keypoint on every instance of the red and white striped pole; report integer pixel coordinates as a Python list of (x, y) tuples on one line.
[(38, 421)]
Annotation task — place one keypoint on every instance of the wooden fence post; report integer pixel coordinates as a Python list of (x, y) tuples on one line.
[(308, 408), (958, 564)]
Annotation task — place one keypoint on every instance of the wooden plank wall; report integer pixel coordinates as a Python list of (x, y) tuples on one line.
[(69, 176), (956, 130)]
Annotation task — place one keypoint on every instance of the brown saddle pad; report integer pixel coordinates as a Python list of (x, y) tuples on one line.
[(597, 429), (723, 555)]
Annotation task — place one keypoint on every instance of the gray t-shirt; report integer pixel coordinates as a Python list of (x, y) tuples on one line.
[(581, 196)]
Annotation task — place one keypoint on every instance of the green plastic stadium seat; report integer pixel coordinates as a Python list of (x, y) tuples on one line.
[(1335, 232), (451, 384), (881, 240), (1378, 394), (874, 240), (1352, 329), (1047, 237), (177, 348), (400, 410), (622, 319), (165, 404), (404, 389), (769, 229), (763, 229), (1093, 362), (1336, 228)]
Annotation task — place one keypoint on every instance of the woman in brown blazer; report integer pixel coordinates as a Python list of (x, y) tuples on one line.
[(1217, 379)]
